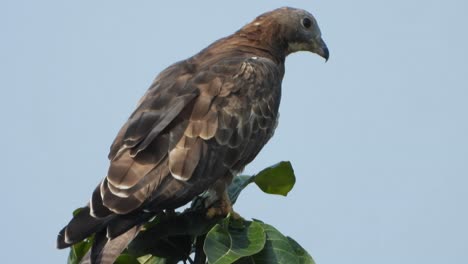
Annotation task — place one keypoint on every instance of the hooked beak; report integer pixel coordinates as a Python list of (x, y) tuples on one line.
[(321, 49)]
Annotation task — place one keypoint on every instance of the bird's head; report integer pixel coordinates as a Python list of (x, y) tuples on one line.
[(291, 29)]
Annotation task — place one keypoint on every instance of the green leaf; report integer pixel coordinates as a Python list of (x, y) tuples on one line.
[(77, 211), (225, 243), (80, 249), (277, 179), (238, 184), (126, 259), (278, 249), (149, 259), (304, 257), (169, 237)]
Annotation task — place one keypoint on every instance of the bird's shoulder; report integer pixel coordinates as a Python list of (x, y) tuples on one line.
[(207, 85), (242, 74)]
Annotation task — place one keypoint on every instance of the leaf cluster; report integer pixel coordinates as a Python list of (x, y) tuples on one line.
[(191, 237)]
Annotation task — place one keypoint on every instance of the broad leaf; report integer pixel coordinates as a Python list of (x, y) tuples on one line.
[(169, 237), (149, 259), (304, 257), (226, 242), (277, 179), (238, 184), (126, 259), (80, 249), (277, 250)]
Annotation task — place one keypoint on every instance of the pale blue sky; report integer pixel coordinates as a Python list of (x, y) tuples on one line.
[(378, 136)]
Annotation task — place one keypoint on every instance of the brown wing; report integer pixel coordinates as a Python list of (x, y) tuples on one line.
[(247, 110), (138, 155), (205, 125), (194, 126)]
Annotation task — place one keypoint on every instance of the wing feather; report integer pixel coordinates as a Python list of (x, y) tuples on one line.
[(127, 170), (209, 125), (116, 204), (173, 112), (196, 125), (184, 158)]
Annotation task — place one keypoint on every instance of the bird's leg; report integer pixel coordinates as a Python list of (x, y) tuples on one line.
[(222, 205)]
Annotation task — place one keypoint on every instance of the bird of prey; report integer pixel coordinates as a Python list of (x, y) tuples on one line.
[(199, 124)]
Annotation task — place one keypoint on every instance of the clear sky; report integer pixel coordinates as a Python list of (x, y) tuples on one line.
[(378, 136)]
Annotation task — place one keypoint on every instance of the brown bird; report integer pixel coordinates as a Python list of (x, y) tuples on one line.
[(200, 123)]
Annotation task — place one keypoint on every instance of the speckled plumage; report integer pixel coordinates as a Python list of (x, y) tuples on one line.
[(201, 121)]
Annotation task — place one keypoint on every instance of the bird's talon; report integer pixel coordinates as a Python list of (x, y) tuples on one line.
[(224, 208), (212, 212)]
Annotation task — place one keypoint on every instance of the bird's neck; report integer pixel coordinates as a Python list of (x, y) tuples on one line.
[(248, 43), (264, 36)]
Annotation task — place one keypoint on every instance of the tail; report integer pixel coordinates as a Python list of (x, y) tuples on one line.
[(112, 234), (80, 227), (105, 250)]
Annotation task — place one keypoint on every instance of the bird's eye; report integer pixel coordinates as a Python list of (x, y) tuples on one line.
[(306, 22)]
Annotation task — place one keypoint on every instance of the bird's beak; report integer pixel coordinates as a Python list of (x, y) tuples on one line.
[(321, 49)]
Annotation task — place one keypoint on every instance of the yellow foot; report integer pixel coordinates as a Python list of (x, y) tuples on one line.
[(212, 213), (222, 208), (215, 212)]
